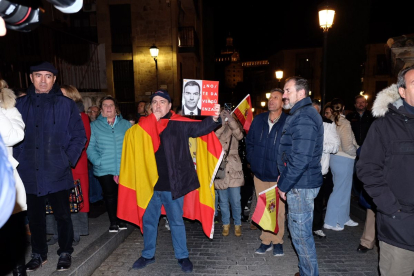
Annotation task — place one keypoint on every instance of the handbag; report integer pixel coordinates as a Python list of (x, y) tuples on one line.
[(221, 172), (75, 199)]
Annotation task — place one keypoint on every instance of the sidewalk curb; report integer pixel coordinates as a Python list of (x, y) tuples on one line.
[(90, 258)]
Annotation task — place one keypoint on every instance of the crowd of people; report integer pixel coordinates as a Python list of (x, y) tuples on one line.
[(318, 157)]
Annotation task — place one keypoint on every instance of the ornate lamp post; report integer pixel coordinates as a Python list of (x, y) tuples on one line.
[(326, 18), (154, 53)]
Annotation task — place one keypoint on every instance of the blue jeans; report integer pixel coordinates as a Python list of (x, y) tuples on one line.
[(174, 209), (216, 203), (232, 196), (300, 202), (95, 189)]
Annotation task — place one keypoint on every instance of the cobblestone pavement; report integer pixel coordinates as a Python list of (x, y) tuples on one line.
[(233, 255)]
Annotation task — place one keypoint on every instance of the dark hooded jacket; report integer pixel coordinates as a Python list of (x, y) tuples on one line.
[(300, 149), (54, 139), (385, 167)]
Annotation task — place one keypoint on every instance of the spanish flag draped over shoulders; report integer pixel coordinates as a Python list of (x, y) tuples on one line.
[(139, 174)]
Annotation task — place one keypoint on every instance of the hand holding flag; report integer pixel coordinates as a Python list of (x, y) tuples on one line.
[(267, 209)]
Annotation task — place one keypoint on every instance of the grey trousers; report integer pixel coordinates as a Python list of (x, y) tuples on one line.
[(395, 261)]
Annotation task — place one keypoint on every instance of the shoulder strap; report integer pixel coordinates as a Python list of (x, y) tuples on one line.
[(228, 149)]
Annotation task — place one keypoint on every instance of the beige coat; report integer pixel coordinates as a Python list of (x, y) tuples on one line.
[(12, 132), (234, 171), (348, 145)]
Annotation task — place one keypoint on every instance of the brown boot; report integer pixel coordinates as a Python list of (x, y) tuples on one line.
[(252, 226), (237, 230), (226, 229)]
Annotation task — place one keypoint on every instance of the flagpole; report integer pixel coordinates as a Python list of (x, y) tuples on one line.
[(265, 191), (240, 103)]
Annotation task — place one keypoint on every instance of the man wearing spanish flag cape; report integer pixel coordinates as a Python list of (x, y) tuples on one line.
[(157, 170)]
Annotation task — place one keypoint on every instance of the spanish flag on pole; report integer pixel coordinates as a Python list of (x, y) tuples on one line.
[(267, 208), (244, 113), (139, 174)]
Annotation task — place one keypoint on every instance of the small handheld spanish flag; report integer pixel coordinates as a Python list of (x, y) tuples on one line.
[(244, 113), (267, 208)]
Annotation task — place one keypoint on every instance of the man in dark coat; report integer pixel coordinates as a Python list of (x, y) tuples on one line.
[(262, 144), (176, 177), (299, 163), (361, 119), (385, 167), (54, 140)]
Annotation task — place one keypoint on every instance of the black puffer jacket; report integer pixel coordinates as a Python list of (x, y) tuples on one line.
[(385, 167)]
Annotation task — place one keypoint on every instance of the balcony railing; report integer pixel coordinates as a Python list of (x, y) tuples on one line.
[(188, 41)]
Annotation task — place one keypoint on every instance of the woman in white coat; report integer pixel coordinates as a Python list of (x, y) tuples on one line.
[(12, 234), (342, 167)]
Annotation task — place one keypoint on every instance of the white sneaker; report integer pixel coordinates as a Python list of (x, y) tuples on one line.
[(167, 225), (319, 233), (351, 223), (336, 228)]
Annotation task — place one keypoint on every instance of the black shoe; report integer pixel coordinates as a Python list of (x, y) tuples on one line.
[(142, 262), (186, 265), (19, 271), (113, 228), (122, 225), (363, 249), (36, 262), (65, 260)]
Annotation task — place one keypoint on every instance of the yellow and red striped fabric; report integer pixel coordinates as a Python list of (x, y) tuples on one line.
[(267, 208), (244, 113), (139, 174)]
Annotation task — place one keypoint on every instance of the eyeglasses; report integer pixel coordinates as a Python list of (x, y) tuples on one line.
[(91, 111)]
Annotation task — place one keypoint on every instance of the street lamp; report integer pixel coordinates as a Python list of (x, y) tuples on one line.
[(326, 18), (154, 53), (263, 104), (279, 75), (267, 95)]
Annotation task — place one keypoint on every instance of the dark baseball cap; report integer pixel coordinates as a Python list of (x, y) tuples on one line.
[(44, 66), (161, 93)]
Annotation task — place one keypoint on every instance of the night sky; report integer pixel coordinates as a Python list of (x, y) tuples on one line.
[(260, 28)]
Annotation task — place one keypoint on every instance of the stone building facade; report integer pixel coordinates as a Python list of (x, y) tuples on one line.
[(128, 28)]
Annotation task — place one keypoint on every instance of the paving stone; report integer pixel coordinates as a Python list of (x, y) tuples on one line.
[(337, 255)]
